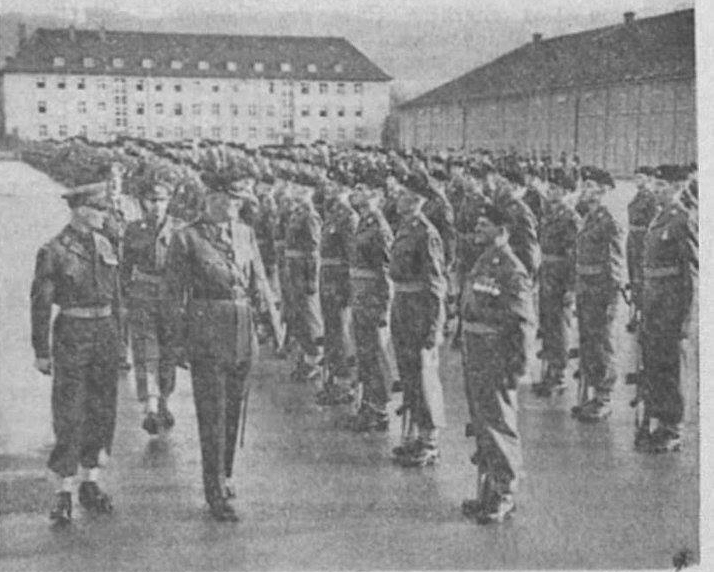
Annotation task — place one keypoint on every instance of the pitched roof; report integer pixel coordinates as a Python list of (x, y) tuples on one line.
[(326, 53), (657, 47)]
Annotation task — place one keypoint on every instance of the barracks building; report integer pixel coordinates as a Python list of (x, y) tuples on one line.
[(620, 97), (247, 89)]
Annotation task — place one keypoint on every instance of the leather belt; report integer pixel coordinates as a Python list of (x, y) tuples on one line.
[(407, 287), (334, 262), (589, 269), (140, 276), (479, 328), (554, 258), (88, 313), (664, 272), (363, 273), (637, 228)]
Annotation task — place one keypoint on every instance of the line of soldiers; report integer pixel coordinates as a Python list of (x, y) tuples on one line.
[(364, 261)]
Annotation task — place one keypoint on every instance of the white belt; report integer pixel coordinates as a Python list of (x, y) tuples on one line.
[(88, 313)]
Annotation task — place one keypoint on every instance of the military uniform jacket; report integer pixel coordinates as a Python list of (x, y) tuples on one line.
[(497, 301), (467, 251), (370, 253), (337, 236), (302, 248), (441, 214), (598, 251), (558, 235), (73, 270), (266, 231), (523, 229), (213, 275), (670, 263), (641, 210), (418, 260)]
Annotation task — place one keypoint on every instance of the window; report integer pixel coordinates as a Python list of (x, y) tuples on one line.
[(178, 132), (101, 84), (285, 67), (305, 88), (141, 131), (61, 83), (196, 108), (252, 133), (159, 132), (341, 88), (231, 66), (140, 85), (176, 64), (41, 107), (58, 62), (305, 111), (159, 108), (81, 107), (323, 112), (215, 88), (305, 133), (258, 67), (197, 131), (339, 68), (287, 124), (252, 110), (177, 87), (83, 131), (234, 132), (216, 108), (359, 88), (88, 62), (341, 134), (234, 109), (359, 133), (103, 129), (270, 111), (159, 86), (271, 87), (216, 132), (147, 63), (324, 133), (323, 88), (178, 109), (62, 131), (41, 82), (271, 133), (203, 65), (81, 83), (358, 112), (140, 109), (101, 105), (311, 68), (340, 112), (118, 62)]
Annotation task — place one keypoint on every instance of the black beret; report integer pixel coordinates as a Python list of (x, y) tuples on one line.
[(671, 173), (648, 171)]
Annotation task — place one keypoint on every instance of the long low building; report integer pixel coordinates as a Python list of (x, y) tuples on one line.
[(620, 97), (248, 89)]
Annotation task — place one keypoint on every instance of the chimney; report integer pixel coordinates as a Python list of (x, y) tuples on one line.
[(629, 18), (537, 38), (72, 33), (22, 34), (102, 33)]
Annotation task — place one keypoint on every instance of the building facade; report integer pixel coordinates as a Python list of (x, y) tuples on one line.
[(244, 89), (619, 97)]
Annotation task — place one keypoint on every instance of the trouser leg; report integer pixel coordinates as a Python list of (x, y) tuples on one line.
[(101, 409), (661, 356), (236, 393)]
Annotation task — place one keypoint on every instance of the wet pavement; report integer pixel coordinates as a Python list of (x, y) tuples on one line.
[(311, 495)]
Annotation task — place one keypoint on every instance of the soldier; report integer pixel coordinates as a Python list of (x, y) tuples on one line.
[(640, 212), (213, 272), (145, 245), (78, 271), (669, 263), (372, 293), (302, 254), (598, 283), (417, 268), (497, 313), (285, 205), (558, 232)]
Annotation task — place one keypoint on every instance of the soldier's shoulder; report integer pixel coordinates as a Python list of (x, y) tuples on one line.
[(61, 241)]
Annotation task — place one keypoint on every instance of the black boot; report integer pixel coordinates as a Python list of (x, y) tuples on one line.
[(61, 513), (92, 498), (223, 511)]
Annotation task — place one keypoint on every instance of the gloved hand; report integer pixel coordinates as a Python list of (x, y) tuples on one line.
[(44, 365)]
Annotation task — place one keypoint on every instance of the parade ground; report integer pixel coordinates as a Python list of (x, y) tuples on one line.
[(311, 494)]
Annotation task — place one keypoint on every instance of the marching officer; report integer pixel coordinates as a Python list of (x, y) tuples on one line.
[(640, 212), (558, 232), (598, 283), (669, 263), (145, 245), (214, 274), (417, 269), (78, 271), (372, 294), (497, 312)]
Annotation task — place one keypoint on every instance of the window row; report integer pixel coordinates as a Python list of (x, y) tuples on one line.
[(203, 65), (197, 131), (140, 85)]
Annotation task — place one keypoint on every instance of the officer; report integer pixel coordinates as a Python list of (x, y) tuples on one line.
[(417, 269), (640, 212), (337, 237), (669, 263), (78, 271), (598, 283), (372, 294), (497, 312), (302, 254), (213, 272), (558, 232), (145, 245)]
